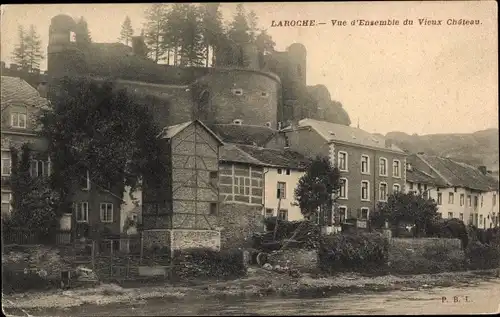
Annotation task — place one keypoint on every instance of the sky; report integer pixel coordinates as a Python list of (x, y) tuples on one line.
[(413, 79)]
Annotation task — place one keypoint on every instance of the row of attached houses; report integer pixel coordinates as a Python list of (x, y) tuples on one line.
[(460, 190)]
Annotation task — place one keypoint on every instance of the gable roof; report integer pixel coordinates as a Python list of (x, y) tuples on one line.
[(458, 174), (416, 176), (336, 132), (171, 131), (260, 156), (243, 133), (17, 90)]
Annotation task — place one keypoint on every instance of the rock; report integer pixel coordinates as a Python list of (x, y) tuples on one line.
[(267, 266)]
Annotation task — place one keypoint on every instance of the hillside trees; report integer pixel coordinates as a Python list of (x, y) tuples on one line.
[(156, 18), (28, 51), (98, 129), (127, 31)]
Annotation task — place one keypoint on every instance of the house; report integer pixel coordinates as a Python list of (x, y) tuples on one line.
[(20, 105), (460, 190), (370, 166), (180, 207)]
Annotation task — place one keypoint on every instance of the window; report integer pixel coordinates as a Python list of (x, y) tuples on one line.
[(213, 178), (411, 186), (475, 220), (281, 190), (280, 171), (396, 168), (396, 188), (365, 190), (18, 120), (6, 202), (81, 211), (450, 215), (264, 94), (462, 199), (440, 199), (364, 213), (287, 171), (342, 214), (461, 216), (476, 202), (419, 187), (343, 188), (451, 198), (440, 215), (480, 219), (213, 208), (482, 200), (342, 161), (39, 168), (365, 164), (299, 70), (269, 212), (425, 186), (382, 192), (283, 214), (106, 212), (455, 189), (494, 200), (382, 169), (85, 181), (6, 163), (241, 185), (469, 201), (237, 92)]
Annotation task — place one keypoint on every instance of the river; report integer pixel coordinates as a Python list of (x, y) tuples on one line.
[(480, 298)]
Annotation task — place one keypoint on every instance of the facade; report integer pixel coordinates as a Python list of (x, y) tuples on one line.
[(370, 167), (280, 198), (460, 190)]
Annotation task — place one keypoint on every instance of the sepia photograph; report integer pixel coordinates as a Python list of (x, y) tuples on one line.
[(250, 158)]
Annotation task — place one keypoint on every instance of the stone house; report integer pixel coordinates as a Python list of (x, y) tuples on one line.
[(460, 190)]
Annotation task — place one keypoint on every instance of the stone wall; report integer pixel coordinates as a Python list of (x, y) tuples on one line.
[(188, 239), (303, 260), (421, 243), (238, 222), (155, 237)]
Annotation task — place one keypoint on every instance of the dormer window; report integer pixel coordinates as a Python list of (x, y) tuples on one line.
[(237, 92), (264, 94), (237, 121), (18, 120)]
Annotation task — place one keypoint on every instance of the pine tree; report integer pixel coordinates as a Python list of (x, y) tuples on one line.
[(212, 29), (239, 36), (156, 19), (252, 25), (19, 55), (82, 33), (127, 31), (33, 48), (192, 48)]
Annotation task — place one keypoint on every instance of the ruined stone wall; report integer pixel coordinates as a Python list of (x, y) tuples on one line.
[(238, 221), (303, 260)]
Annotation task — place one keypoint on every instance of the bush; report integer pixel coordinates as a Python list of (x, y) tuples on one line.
[(202, 262), (449, 228), (308, 233), (483, 256), (18, 281), (358, 251)]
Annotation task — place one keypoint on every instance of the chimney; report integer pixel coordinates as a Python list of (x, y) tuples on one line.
[(13, 67), (482, 169)]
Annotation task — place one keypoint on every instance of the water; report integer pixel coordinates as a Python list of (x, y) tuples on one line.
[(481, 298)]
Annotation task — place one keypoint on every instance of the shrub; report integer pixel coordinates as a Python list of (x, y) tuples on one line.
[(308, 233), (356, 251), (483, 256), (200, 262), (18, 281), (449, 228)]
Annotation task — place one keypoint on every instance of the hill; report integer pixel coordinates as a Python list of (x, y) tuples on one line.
[(478, 148)]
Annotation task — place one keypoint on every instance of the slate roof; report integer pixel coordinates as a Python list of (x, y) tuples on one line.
[(243, 134), (460, 174), (417, 176), (171, 131), (337, 132), (16, 90), (263, 156)]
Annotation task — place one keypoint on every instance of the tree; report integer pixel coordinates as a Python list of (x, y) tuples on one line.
[(156, 19), (98, 128), (265, 45), (406, 208), (316, 188), (212, 29), (20, 55), (33, 48), (192, 48), (127, 31), (252, 25), (239, 37), (34, 201), (140, 46), (82, 33)]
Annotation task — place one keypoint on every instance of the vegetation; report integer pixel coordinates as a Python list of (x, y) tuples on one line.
[(82, 33), (406, 209), (316, 188), (97, 130), (28, 51), (127, 31)]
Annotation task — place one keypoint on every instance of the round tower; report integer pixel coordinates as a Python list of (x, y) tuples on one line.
[(63, 55), (297, 58)]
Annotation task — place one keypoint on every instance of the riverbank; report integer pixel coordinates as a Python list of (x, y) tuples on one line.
[(258, 283)]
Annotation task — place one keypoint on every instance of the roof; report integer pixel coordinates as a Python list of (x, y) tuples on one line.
[(260, 156), (337, 132), (17, 90), (416, 176), (243, 133), (171, 131), (460, 174)]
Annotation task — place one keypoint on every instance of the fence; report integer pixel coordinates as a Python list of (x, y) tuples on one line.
[(20, 236)]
